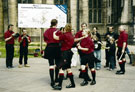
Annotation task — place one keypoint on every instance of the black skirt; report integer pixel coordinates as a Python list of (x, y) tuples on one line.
[(52, 51), (65, 61)]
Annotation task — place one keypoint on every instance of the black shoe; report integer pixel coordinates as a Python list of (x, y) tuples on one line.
[(52, 84), (117, 72), (56, 80), (93, 83), (84, 83), (120, 73), (56, 87), (70, 86)]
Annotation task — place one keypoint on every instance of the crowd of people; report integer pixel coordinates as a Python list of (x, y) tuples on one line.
[(65, 48)]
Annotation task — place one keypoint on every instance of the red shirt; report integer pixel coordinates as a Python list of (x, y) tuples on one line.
[(122, 38), (79, 34), (87, 43), (48, 35), (67, 41), (24, 40), (7, 35)]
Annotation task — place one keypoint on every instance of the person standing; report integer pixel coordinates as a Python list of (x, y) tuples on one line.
[(129, 55), (97, 44), (52, 51), (112, 49), (108, 35), (75, 57), (9, 39), (78, 35), (78, 38), (87, 48), (122, 45), (24, 40), (67, 41)]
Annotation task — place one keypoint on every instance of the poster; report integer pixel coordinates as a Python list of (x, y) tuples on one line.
[(40, 15)]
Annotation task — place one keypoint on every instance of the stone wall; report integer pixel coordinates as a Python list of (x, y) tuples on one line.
[(10, 16)]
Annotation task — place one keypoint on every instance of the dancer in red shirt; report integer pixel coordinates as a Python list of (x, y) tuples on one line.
[(122, 45), (52, 51), (87, 48), (78, 38), (67, 41)]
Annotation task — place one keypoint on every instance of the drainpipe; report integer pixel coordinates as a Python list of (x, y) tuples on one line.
[(133, 14), (78, 15)]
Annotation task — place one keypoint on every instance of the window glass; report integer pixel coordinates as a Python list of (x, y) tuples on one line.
[(99, 3), (95, 4), (90, 16), (95, 16), (99, 16), (90, 3)]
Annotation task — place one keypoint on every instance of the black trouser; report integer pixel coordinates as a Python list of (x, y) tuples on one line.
[(23, 52), (112, 62), (107, 58), (9, 54)]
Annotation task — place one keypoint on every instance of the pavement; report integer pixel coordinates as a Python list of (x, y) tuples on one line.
[(36, 78)]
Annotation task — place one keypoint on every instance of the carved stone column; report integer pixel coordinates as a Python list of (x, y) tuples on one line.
[(73, 6), (1, 20), (12, 13)]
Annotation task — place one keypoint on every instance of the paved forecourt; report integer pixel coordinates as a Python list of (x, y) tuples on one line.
[(36, 78)]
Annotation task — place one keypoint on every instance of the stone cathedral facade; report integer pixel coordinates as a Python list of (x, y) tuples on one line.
[(96, 13)]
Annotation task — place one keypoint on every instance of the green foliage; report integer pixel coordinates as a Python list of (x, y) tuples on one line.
[(32, 47)]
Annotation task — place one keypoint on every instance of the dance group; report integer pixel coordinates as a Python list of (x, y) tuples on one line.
[(59, 54)]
